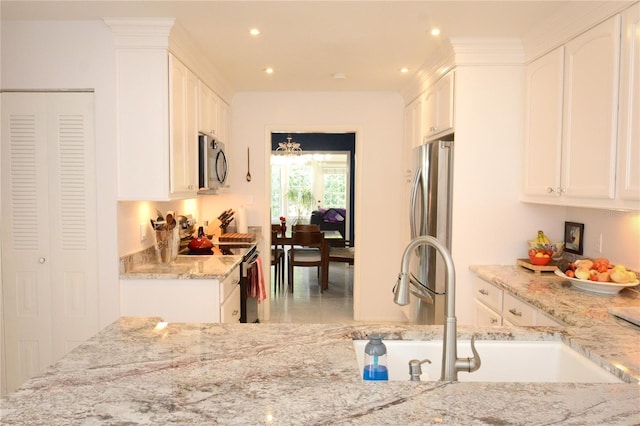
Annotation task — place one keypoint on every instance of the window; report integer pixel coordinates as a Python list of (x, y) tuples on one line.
[(302, 183)]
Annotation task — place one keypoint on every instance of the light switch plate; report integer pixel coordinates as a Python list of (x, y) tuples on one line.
[(143, 232)]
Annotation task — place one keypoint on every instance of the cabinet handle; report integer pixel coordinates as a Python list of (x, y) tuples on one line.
[(432, 129), (493, 320), (514, 312), (234, 313), (483, 292), (42, 260)]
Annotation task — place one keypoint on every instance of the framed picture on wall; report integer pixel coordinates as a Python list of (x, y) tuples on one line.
[(573, 237)]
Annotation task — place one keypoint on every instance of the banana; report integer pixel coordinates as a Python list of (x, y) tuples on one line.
[(542, 238)]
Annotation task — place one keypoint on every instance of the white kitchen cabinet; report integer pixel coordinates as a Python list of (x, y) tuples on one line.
[(543, 124), (230, 308), (224, 123), (590, 112), (156, 114), (414, 122), (571, 124), (438, 107), (183, 141), (495, 306), (208, 114), (628, 177), (182, 300)]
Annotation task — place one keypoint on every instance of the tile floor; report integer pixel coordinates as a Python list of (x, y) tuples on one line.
[(308, 305)]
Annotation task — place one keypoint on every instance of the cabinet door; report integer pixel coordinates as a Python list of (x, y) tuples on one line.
[(208, 114), (230, 309), (445, 89), (183, 101), (543, 125), (438, 113), (628, 176), (590, 112)]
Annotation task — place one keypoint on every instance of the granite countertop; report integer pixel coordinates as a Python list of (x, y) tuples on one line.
[(609, 340), (133, 372), (285, 374), (185, 267)]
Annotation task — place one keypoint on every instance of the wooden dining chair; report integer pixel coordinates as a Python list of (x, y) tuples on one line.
[(308, 249), (277, 258), (305, 227), (344, 253)]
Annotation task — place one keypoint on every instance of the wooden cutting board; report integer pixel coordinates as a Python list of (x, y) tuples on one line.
[(237, 237), (526, 263)]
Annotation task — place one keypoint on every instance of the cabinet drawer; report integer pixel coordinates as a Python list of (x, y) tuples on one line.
[(229, 284), (518, 312), (230, 309), (544, 319), (485, 315), (488, 294)]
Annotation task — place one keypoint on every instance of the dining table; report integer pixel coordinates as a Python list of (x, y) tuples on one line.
[(330, 237)]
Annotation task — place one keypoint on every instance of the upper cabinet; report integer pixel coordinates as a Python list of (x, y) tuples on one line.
[(571, 122), (628, 181), (161, 107), (183, 124), (438, 107), (208, 117)]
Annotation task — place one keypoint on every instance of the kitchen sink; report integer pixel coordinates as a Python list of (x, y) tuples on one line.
[(502, 361)]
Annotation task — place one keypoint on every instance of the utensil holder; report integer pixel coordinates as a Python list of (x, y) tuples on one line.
[(167, 245)]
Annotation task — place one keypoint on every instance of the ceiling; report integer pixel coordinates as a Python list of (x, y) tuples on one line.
[(307, 42)]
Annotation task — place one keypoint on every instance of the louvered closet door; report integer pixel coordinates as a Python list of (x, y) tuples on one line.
[(49, 265)]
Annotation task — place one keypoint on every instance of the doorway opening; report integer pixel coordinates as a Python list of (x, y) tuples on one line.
[(319, 179)]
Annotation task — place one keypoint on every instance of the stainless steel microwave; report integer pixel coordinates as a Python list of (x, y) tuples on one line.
[(213, 165)]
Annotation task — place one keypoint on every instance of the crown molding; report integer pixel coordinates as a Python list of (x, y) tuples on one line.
[(487, 51), (464, 51), (140, 32), (183, 48), (570, 21)]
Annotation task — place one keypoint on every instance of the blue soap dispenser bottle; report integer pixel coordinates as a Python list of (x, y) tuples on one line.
[(375, 359)]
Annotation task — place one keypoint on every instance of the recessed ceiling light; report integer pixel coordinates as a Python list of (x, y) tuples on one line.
[(339, 75), (268, 70), (435, 32), (404, 70), (254, 32)]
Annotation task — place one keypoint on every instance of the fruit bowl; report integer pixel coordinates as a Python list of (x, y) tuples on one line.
[(596, 286), (556, 247), (540, 261)]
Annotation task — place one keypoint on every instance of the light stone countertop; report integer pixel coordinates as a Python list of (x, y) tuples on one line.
[(186, 267), (290, 374)]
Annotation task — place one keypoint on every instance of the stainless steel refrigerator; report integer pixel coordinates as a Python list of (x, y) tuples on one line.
[(431, 196)]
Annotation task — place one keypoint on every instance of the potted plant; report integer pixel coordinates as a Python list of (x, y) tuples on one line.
[(301, 200)]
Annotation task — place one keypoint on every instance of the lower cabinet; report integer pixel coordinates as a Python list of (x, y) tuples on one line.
[(495, 306), (184, 300)]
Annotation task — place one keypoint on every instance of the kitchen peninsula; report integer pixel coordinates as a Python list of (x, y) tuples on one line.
[(137, 371)]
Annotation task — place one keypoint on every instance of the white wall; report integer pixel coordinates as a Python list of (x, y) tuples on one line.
[(75, 55), (377, 120), (490, 224)]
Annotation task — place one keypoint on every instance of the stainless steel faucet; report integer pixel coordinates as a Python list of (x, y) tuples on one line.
[(451, 364)]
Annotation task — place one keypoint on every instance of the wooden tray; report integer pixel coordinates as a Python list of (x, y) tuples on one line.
[(526, 263), (237, 238)]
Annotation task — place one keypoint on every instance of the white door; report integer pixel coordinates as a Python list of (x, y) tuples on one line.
[(49, 265)]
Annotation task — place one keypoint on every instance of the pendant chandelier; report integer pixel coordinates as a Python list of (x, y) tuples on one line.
[(289, 147)]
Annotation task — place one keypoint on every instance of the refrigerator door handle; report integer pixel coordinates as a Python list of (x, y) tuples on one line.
[(414, 195), (419, 293)]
